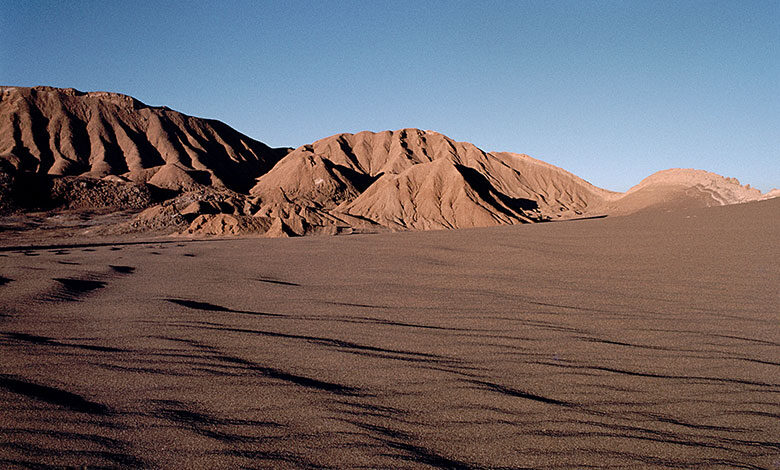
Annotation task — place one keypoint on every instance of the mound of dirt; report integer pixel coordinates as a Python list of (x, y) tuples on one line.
[(176, 214), (208, 212)]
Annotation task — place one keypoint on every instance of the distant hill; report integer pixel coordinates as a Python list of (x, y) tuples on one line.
[(203, 177), (682, 188)]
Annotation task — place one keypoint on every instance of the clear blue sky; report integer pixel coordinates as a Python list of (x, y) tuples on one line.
[(609, 90)]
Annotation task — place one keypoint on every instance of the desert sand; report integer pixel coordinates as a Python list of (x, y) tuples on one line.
[(643, 341)]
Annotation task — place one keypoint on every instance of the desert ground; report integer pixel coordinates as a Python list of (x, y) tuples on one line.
[(644, 341)]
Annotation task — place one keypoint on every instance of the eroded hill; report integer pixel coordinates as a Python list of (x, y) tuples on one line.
[(62, 149), (66, 132)]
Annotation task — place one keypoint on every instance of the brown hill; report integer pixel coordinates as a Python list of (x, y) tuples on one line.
[(678, 188), (416, 179), (64, 149), (436, 195), (67, 132)]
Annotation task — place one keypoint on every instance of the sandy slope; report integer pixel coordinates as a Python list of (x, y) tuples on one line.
[(648, 341)]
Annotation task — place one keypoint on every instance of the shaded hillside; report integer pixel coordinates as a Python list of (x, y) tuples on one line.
[(67, 132)]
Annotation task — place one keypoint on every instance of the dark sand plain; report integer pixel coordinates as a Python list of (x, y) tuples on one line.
[(647, 341)]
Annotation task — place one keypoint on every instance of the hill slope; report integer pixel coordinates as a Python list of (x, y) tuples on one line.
[(67, 132), (65, 149), (679, 188), (416, 179)]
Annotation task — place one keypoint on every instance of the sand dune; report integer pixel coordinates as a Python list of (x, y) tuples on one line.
[(646, 341)]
